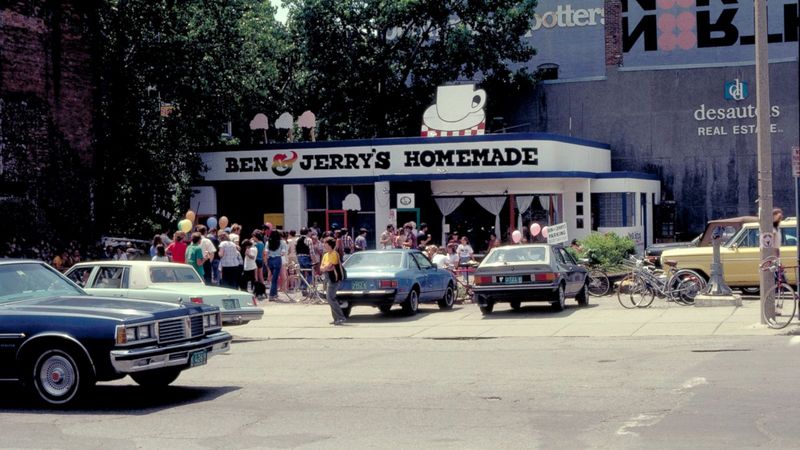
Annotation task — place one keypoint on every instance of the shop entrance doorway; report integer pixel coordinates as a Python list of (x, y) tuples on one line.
[(335, 218), (405, 215)]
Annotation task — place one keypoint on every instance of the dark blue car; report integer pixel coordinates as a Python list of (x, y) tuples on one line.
[(58, 341), (383, 278)]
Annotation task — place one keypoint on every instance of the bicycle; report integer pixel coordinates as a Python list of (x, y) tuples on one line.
[(298, 287), (597, 283), (782, 297), (464, 292), (680, 286), (630, 285)]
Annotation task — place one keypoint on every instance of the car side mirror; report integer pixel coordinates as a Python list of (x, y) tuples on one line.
[(734, 246)]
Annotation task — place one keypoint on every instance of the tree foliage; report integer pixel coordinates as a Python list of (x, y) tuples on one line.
[(206, 62), (369, 68)]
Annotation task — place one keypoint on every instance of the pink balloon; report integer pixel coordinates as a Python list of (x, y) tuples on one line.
[(535, 229), (516, 236), (544, 232)]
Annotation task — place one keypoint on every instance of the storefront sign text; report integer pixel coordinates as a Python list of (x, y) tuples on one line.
[(472, 157)]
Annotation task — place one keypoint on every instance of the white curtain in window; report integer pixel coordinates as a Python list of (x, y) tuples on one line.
[(447, 205), (493, 205), (556, 202), (523, 203)]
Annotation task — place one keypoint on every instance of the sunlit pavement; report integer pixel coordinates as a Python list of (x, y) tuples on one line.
[(603, 317)]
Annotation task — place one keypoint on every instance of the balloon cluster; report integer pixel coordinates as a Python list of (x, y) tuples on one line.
[(187, 223), (536, 229)]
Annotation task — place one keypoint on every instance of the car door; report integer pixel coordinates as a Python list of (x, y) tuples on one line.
[(740, 262), (422, 275), (431, 289), (573, 273), (82, 276), (110, 281)]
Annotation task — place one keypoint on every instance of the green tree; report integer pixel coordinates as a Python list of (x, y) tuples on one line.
[(369, 68), (174, 74)]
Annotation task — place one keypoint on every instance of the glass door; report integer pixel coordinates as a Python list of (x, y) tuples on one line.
[(335, 219)]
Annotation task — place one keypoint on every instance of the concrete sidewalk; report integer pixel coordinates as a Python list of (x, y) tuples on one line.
[(604, 317)]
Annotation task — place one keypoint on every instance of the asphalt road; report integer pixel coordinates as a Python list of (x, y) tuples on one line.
[(655, 392)]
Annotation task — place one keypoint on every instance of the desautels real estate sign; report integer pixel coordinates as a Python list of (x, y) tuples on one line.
[(421, 159)]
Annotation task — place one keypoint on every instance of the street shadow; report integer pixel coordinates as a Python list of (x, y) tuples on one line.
[(368, 314), (534, 310), (114, 399)]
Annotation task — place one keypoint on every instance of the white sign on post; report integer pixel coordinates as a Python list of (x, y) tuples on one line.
[(557, 234), (796, 161), (767, 240)]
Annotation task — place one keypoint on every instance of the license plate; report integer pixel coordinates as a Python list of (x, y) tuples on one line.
[(359, 285), (198, 358), (510, 280), (230, 303)]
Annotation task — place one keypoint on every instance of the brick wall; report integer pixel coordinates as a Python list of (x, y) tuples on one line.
[(46, 57), (613, 32)]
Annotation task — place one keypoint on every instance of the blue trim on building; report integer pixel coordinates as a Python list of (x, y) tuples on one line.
[(445, 176), (416, 141)]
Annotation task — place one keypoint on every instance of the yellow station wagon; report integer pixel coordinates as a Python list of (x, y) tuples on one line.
[(740, 255)]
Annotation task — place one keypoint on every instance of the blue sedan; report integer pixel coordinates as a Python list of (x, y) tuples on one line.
[(382, 278)]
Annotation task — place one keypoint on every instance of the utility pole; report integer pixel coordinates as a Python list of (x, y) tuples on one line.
[(767, 246)]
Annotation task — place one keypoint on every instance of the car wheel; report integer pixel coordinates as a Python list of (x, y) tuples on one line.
[(411, 305), (516, 305), (449, 298), (59, 376), (582, 298), (385, 308), (559, 302), (156, 378), (751, 290), (487, 308), (346, 310)]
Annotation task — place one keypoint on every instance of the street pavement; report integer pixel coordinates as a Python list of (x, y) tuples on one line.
[(603, 317)]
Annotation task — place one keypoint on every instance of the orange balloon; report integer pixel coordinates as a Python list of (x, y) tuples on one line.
[(190, 215), (223, 222)]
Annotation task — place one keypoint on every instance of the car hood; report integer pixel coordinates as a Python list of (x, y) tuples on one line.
[(102, 307), (677, 253)]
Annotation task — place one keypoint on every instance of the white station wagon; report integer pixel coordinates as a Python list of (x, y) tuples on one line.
[(166, 282)]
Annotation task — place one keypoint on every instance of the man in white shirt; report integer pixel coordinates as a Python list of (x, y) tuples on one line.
[(208, 252)]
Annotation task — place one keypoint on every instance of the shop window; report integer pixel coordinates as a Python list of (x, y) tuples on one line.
[(579, 210), (579, 223), (366, 193), (336, 195), (579, 197), (547, 71), (615, 210), (316, 197)]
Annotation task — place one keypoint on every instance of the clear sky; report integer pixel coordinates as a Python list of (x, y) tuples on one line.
[(281, 14)]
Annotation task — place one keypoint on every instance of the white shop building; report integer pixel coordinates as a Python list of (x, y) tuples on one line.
[(474, 185)]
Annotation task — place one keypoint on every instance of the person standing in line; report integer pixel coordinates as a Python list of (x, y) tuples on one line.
[(304, 251), (229, 261), (276, 248), (410, 236), (330, 266), (177, 249), (348, 246), (257, 238), (465, 253), (337, 236), (233, 236), (215, 273), (361, 240), (284, 262), (161, 254), (387, 238), (423, 238), (249, 267), (157, 240), (195, 255), (317, 250), (208, 253)]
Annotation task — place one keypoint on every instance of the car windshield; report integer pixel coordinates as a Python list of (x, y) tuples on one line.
[(516, 254), (175, 274), (28, 281), (377, 259)]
